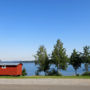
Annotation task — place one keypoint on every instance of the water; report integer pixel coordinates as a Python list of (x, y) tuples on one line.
[(31, 69)]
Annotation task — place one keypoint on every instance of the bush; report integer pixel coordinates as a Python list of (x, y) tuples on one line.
[(86, 74), (77, 75), (24, 72), (54, 72), (37, 73)]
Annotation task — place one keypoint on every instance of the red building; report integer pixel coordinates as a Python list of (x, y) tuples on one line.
[(13, 69)]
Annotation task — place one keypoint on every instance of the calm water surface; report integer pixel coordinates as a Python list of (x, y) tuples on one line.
[(31, 69)]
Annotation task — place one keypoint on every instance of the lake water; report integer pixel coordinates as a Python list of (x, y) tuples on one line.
[(31, 69)]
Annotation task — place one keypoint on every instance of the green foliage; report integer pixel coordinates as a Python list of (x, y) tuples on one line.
[(77, 75), (54, 72), (59, 57), (24, 72), (75, 60), (86, 54), (41, 60), (37, 73), (86, 74), (86, 57)]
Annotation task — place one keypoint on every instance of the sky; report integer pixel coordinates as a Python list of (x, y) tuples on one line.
[(27, 24)]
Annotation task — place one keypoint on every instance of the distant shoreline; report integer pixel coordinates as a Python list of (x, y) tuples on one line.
[(20, 61)]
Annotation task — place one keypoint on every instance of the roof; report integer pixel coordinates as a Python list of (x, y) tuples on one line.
[(9, 64)]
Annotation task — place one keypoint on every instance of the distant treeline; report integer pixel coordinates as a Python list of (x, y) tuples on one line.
[(33, 61), (28, 61)]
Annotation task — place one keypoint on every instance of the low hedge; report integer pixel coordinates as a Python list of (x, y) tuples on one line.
[(86, 74)]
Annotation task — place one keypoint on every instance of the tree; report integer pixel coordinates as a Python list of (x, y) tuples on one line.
[(24, 72), (86, 57), (42, 60), (59, 57), (75, 60)]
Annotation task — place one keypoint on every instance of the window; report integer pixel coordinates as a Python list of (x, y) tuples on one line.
[(4, 66)]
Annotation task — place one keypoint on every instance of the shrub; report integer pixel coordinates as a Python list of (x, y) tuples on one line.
[(24, 72), (37, 73), (86, 74), (77, 75), (54, 72)]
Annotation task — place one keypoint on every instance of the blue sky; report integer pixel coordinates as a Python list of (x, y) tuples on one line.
[(27, 24)]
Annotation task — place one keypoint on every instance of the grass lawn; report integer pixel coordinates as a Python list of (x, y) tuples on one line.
[(43, 77)]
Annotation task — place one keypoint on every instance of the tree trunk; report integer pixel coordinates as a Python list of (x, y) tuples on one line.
[(75, 72), (58, 70), (45, 73), (86, 67)]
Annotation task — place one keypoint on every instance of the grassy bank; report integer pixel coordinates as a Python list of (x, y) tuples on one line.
[(45, 77)]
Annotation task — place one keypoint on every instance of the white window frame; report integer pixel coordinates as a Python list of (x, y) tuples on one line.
[(3, 66)]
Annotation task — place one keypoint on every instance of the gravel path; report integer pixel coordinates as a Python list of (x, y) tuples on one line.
[(42, 87), (69, 82)]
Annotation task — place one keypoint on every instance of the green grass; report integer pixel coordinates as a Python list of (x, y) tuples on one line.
[(45, 77)]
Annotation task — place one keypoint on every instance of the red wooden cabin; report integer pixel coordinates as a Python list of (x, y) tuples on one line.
[(13, 69)]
